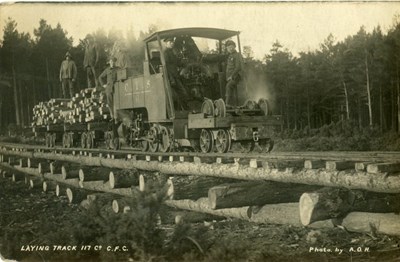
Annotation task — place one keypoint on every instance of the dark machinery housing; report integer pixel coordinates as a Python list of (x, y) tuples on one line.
[(151, 117)]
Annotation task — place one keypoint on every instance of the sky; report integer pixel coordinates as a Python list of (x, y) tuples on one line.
[(300, 27)]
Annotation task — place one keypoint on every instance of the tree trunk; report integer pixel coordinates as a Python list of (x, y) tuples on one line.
[(336, 203), (48, 79), (16, 104), (255, 194), (308, 108), (69, 171), (398, 98), (21, 103), (368, 89), (346, 96)]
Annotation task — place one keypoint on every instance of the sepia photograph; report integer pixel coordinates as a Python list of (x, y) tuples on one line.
[(200, 131)]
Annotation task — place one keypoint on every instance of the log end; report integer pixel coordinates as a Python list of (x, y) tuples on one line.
[(58, 190), (307, 203), (81, 175), (170, 191), (70, 195), (111, 179), (115, 206)]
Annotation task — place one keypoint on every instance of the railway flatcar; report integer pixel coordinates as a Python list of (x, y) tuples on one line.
[(150, 115)]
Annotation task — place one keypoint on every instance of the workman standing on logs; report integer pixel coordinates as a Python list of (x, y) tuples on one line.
[(110, 73), (90, 61), (173, 63), (68, 74), (233, 74)]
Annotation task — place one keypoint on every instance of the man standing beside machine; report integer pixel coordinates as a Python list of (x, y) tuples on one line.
[(233, 70), (90, 61)]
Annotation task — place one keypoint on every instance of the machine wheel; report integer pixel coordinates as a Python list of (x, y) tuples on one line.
[(165, 142), (250, 104), (263, 104), (223, 141), (153, 136), (83, 139), (220, 108), (206, 141), (208, 107)]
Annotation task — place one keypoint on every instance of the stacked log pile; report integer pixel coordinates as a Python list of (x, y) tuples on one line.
[(88, 105)]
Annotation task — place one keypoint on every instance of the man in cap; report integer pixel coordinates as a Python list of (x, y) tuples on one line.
[(90, 61), (173, 63), (110, 73), (68, 74), (233, 70)]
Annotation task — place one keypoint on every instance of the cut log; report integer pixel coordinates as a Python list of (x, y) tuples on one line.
[(192, 187), (49, 186), (33, 163), (55, 167), (23, 162), (336, 203), (35, 182), (388, 224), (314, 164), (13, 161), (383, 167), (75, 196), (339, 165), (6, 174), (17, 177), (123, 179), (93, 174), (118, 205), (69, 172), (43, 167), (255, 194), (60, 189)]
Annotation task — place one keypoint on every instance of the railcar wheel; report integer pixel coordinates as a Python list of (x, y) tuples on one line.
[(208, 107), (206, 141), (263, 104), (223, 141), (153, 136), (83, 139), (247, 146), (165, 142), (220, 108), (269, 145)]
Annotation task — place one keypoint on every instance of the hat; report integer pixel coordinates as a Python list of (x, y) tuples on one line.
[(68, 54), (169, 39), (230, 42)]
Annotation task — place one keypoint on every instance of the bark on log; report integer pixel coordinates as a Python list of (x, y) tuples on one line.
[(33, 163), (336, 203), (49, 186), (43, 167), (191, 187), (56, 167), (93, 174), (35, 182), (23, 162), (123, 179), (388, 223), (17, 177), (75, 196), (69, 172), (255, 194)]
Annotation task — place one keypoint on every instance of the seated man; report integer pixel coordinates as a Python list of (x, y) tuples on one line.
[(173, 63)]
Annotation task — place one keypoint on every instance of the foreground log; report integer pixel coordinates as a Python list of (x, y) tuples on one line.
[(23, 162), (35, 182), (255, 194), (69, 172), (336, 203), (123, 179), (43, 167), (60, 189), (388, 224), (17, 177), (93, 174), (75, 196)]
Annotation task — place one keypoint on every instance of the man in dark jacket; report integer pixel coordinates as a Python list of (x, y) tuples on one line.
[(110, 73), (233, 71), (173, 63), (68, 74), (90, 61)]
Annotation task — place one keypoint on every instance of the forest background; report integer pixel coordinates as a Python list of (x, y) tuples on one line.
[(346, 89)]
